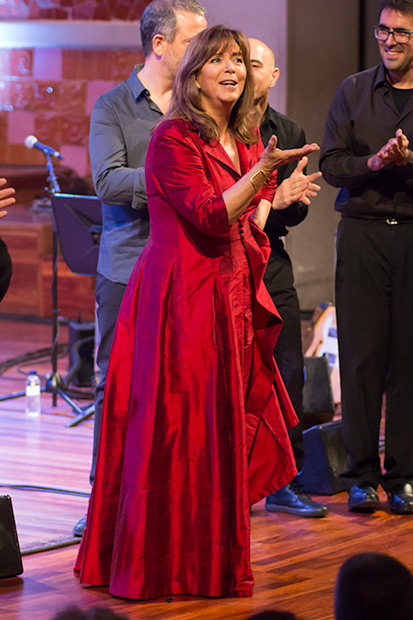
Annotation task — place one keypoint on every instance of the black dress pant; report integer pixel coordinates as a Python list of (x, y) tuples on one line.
[(279, 279), (374, 301), (109, 297)]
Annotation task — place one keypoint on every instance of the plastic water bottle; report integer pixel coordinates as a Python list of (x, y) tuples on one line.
[(33, 395)]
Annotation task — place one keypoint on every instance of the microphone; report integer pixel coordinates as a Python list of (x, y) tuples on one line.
[(32, 143)]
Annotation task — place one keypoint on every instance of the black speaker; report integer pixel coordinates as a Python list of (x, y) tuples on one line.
[(325, 459), (318, 401), (10, 556), (82, 352)]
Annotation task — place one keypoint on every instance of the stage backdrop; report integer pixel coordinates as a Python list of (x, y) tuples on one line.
[(58, 56)]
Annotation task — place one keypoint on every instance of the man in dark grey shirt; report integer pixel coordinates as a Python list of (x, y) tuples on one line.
[(120, 131)]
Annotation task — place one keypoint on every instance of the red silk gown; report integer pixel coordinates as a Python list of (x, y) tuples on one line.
[(195, 412)]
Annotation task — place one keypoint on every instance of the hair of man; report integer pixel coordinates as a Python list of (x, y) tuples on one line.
[(401, 6), (159, 17), (186, 98)]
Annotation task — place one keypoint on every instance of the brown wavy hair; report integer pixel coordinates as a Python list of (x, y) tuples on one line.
[(186, 98)]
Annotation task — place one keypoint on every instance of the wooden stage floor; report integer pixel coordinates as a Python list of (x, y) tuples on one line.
[(295, 560)]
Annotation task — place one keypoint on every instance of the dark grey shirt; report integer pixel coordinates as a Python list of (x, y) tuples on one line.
[(120, 131)]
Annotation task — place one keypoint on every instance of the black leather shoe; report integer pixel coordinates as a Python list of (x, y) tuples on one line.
[(79, 527), (401, 499), (363, 498), (292, 500)]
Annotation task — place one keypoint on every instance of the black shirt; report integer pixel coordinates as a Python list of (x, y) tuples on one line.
[(362, 118), (401, 96), (290, 136)]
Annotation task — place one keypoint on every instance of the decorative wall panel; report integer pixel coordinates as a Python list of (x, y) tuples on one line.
[(127, 10), (51, 91)]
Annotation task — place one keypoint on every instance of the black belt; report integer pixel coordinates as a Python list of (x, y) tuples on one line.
[(390, 221), (393, 222)]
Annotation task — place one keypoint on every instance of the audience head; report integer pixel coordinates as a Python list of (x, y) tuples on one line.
[(93, 613), (272, 614), (373, 586)]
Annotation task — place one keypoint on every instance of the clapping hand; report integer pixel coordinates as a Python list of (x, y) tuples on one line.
[(298, 187), (395, 152)]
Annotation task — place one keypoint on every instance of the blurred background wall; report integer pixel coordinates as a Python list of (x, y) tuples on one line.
[(58, 56)]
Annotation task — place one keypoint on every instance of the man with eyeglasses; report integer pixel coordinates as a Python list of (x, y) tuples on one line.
[(366, 153)]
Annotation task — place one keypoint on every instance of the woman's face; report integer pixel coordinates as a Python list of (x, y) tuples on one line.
[(221, 80)]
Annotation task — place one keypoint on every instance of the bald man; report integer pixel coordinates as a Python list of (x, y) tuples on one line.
[(290, 207)]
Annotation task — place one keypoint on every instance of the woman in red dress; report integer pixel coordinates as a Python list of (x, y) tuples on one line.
[(195, 415)]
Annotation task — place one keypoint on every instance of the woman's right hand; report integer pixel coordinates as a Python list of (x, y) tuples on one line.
[(273, 157)]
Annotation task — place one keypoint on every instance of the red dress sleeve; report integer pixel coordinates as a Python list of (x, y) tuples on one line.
[(269, 189), (176, 168)]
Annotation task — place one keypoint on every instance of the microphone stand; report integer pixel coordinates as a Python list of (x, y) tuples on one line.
[(54, 380), (54, 383)]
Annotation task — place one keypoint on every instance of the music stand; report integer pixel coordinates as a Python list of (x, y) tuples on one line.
[(77, 221), (79, 224)]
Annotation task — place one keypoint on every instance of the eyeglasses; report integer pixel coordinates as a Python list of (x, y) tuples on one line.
[(400, 35)]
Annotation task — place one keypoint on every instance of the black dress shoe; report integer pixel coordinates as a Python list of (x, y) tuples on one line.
[(79, 527), (292, 500), (401, 499), (363, 498)]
